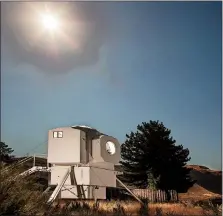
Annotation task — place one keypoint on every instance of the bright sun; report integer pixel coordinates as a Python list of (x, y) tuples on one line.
[(49, 22), (51, 28)]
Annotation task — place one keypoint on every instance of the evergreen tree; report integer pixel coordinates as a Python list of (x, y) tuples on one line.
[(5, 153), (151, 158)]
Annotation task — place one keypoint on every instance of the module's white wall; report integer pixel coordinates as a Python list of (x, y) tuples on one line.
[(104, 165), (102, 177), (70, 192), (83, 148), (82, 175), (99, 193), (65, 150), (96, 151)]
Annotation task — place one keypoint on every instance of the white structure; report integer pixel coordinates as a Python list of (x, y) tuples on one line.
[(82, 161)]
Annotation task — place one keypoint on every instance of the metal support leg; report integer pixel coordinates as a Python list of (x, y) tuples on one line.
[(80, 189), (59, 186), (74, 182), (129, 190)]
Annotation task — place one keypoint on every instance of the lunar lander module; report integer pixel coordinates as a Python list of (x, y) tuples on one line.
[(81, 163)]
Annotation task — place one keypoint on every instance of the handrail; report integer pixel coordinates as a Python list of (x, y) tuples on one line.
[(35, 169), (25, 159), (17, 163)]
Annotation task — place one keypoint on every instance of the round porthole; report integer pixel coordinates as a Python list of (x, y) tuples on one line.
[(110, 147)]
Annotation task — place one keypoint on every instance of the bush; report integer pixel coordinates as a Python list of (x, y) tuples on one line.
[(20, 195)]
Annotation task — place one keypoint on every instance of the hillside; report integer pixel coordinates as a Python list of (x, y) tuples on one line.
[(208, 185), (208, 179)]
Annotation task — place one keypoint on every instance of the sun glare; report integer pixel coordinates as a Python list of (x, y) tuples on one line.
[(52, 30), (49, 22)]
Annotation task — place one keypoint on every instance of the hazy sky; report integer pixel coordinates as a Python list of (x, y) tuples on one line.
[(137, 62)]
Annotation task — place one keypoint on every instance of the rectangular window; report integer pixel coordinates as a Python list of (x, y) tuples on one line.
[(55, 134), (58, 134)]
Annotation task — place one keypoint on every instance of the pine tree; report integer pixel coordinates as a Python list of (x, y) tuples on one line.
[(151, 158), (5, 153)]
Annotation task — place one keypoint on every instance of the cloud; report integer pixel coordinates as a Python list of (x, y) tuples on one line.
[(76, 44)]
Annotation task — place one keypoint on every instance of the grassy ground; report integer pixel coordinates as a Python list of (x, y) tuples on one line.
[(134, 208)]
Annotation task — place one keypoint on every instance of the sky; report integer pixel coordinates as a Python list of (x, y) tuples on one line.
[(121, 64)]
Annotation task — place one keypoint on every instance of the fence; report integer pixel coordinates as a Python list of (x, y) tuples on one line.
[(156, 195)]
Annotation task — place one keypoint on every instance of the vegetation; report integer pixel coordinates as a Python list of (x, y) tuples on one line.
[(151, 159)]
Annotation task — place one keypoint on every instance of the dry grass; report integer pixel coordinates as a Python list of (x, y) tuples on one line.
[(178, 209), (134, 208)]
